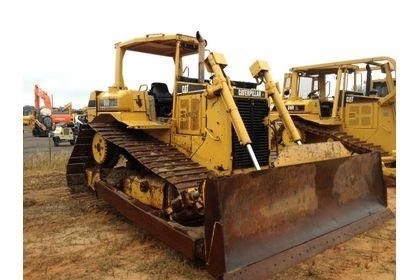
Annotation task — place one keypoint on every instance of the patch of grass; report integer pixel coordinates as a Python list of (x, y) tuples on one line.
[(107, 264), (44, 162)]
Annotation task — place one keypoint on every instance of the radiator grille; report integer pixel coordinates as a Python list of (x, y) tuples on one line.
[(253, 111)]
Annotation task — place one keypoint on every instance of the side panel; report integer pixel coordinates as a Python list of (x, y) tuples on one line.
[(203, 128), (215, 152), (188, 116), (189, 108), (372, 123), (360, 115)]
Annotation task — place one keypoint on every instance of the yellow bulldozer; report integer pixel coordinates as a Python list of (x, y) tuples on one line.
[(352, 101), (193, 165)]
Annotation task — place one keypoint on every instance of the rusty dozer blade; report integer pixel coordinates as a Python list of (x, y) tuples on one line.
[(262, 222), (294, 154)]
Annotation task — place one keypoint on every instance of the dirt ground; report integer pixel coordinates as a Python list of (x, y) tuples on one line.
[(66, 238), (83, 238)]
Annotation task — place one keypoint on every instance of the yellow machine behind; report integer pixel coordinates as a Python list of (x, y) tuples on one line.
[(192, 163), (28, 119), (350, 101)]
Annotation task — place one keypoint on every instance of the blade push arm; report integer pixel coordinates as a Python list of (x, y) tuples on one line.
[(215, 63), (260, 70)]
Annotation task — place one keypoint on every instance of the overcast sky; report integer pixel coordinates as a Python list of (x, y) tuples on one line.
[(69, 49), (66, 47)]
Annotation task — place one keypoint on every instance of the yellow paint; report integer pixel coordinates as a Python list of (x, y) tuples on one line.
[(291, 155), (369, 117), (27, 120), (92, 176), (99, 148), (148, 190)]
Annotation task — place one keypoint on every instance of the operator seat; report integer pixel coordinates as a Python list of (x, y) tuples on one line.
[(326, 108), (163, 99)]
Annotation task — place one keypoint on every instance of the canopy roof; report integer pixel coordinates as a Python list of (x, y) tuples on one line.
[(356, 64), (161, 44)]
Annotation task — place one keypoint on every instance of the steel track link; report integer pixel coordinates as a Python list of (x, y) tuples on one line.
[(80, 157), (159, 158), (350, 142)]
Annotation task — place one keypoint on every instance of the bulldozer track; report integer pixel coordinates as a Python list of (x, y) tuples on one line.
[(157, 157), (352, 143)]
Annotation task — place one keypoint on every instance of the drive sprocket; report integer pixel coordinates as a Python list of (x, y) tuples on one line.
[(99, 148)]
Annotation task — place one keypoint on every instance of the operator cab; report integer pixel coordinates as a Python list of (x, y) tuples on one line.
[(162, 98)]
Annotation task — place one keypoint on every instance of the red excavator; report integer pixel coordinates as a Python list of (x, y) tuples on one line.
[(63, 114), (44, 117)]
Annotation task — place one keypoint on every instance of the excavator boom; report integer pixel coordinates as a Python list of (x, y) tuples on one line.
[(41, 94)]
